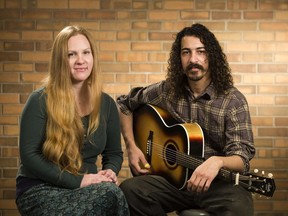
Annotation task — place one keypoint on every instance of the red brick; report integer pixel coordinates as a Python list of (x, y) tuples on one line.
[(68, 14), (146, 25), (36, 35), (140, 5), (163, 15), (275, 132), (273, 5), (100, 15), (13, 4), (84, 4), (20, 25), (10, 172), (41, 67), (129, 78), (19, 46), (203, 15), (226, 15), (52, 4), (258, 15), (44, 25), (9, 67), (8, 120), (152, 46), (273, 26), (17, 88), (160, 36), (9, 14), (9, 56), (8, 141), (36, 14), (134, 39), (131, 57)]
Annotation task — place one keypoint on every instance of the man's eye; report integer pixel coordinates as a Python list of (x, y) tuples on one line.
[(202, 52), (185, 52)]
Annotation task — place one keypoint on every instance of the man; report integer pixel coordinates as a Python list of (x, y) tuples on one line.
[(198, 88)]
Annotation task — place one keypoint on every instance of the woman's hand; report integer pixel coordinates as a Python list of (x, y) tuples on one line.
[(109, 174), (101, 176)]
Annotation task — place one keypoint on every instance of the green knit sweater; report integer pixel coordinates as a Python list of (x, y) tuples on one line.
[(105, 141)]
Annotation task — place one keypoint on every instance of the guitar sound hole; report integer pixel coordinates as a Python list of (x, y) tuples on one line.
[(170, 151)]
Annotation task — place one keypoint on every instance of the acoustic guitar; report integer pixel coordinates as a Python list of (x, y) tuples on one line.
[(174, 150)]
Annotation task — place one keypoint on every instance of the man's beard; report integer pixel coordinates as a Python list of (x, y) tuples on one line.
[(192, 66)]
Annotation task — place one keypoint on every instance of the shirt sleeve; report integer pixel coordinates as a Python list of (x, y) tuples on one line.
[(239, 132), (153, 94), (112, 155), (32, 136)]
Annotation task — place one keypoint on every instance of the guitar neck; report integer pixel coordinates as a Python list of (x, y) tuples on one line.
[(192, 163), (258, 184)]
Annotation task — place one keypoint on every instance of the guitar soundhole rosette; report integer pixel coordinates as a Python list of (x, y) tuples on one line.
[(170, 154)]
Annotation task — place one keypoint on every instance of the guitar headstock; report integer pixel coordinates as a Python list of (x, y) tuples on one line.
[(259, 184)]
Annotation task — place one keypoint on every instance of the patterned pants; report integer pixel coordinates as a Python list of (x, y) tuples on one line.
[(98, 199)]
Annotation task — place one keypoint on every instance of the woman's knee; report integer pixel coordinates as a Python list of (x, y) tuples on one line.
[(108, 188)]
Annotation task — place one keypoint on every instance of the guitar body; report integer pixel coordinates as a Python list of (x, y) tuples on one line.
[(174, 150), (165, 143)]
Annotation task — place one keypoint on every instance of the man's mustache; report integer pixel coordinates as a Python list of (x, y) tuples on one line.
[(193, 65)]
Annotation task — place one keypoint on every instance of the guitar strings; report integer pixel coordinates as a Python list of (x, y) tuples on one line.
[(170, 155), (186, 160)]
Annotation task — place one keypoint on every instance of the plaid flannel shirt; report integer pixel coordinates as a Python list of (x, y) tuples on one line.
[(224, 119)]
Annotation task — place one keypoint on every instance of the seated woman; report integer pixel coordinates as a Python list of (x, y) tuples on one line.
[(65, 125)]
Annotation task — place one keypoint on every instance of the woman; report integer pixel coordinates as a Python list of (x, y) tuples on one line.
[(65, 125)]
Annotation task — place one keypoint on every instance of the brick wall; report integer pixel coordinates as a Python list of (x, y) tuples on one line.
[(134, 38)]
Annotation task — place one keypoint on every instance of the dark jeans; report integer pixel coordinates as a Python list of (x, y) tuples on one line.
[(152, 195)]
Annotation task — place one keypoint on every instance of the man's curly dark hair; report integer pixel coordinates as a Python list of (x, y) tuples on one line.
[(218, 65)]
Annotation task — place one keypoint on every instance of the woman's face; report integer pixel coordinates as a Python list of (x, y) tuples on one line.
[(80, 58)]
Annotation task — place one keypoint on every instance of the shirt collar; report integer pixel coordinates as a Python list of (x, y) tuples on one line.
[(208, 94)]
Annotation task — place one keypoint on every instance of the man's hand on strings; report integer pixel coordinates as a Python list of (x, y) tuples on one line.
[(137, 161)]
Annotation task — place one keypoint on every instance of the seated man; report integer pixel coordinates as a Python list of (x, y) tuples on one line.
[(198, 89)]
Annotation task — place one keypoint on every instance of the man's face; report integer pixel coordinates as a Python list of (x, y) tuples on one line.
[(194, 58)]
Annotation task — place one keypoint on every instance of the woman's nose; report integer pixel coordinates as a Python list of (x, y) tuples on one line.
[(80, 59)]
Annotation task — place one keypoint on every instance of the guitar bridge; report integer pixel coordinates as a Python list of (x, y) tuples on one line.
[(149, 146)]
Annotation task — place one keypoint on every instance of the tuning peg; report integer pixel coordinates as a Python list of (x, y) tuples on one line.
[(256, 171), (263, 173), (270, 175)]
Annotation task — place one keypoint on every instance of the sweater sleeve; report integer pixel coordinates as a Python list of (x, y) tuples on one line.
[(32, 136), (112, 155)]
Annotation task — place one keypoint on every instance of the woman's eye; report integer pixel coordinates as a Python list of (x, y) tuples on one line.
[(71, 54)]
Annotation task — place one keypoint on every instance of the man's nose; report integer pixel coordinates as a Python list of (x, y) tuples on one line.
[(193, 57)]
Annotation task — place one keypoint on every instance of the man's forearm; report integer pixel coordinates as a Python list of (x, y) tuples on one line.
[(127, 129)]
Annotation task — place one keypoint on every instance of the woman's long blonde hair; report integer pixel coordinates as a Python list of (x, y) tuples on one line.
[(65, 132)]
